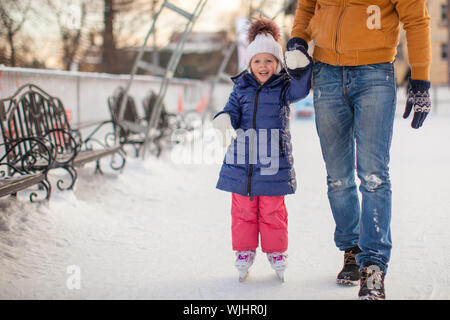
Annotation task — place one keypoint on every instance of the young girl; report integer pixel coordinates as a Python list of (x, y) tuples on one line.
[(258, 167)]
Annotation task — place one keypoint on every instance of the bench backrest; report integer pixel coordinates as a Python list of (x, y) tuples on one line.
[(31, 112), (130, 113), (149, 104)]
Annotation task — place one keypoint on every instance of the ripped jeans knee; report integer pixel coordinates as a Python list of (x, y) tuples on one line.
[(340, 184), (372, 182)]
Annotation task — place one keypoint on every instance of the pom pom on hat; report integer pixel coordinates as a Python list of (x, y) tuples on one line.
[(265, 26), (263, 35)]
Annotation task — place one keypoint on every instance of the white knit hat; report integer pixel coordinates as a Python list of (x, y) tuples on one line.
[(264, 42)]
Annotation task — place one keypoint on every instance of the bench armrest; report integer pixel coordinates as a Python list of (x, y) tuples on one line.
[(27, 155), (92, 136)]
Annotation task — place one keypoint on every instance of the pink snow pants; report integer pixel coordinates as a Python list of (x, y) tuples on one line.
[(265, 215)]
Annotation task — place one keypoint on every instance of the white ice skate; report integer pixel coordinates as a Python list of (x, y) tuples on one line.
[(278, 262), (244, 260)]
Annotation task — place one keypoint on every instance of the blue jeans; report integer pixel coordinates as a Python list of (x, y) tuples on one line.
[(354, 109)]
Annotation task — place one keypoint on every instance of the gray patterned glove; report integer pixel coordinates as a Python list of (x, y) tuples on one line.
[(419, 100)]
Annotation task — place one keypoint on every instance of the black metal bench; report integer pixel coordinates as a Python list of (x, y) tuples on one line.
[(132, 128), (31, 112), (11, 185), (24, 164)]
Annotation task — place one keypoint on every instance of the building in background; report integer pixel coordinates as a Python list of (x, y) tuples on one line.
[(203, 53), (439, 40)]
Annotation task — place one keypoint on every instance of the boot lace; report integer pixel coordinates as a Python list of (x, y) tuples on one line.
[(244, 255), (349, 258)]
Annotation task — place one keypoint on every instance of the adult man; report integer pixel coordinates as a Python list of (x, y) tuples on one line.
[(355, 45)]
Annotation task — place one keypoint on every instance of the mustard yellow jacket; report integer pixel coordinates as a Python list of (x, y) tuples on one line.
[(358, 32)]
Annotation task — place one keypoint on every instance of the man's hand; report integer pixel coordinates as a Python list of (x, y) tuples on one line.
[(297, 59), (419, 100)]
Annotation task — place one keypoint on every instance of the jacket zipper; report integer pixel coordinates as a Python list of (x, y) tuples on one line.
[(338, 24), (250, 172)]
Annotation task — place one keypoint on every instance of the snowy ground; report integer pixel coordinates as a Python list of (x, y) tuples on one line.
[(161, 230)]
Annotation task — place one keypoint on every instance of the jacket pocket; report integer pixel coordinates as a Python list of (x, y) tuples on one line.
[(361, 29), (316, 68), (387, 67), (322, 26)]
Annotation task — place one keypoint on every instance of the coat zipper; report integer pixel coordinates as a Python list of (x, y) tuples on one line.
[(250, 173), (338, 24)]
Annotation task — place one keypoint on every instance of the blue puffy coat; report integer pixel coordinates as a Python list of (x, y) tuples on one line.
[(259, 160)]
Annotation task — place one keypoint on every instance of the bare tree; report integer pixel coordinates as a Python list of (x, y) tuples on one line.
[(12, 17), (109, 45), (120, 16), (155, 55), (70, 18)]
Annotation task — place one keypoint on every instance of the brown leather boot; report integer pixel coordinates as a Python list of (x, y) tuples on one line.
[(349, 275)]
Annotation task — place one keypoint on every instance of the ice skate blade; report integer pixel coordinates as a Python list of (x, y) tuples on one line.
[(280, 275), (347, 283), (243, 275)]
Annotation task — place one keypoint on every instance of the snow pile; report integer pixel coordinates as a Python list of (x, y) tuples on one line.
[(160, 230)]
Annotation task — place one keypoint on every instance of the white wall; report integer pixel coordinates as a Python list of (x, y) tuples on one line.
[(85, 94)]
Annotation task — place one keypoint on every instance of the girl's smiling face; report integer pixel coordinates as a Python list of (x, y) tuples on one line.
[(263, 66)]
